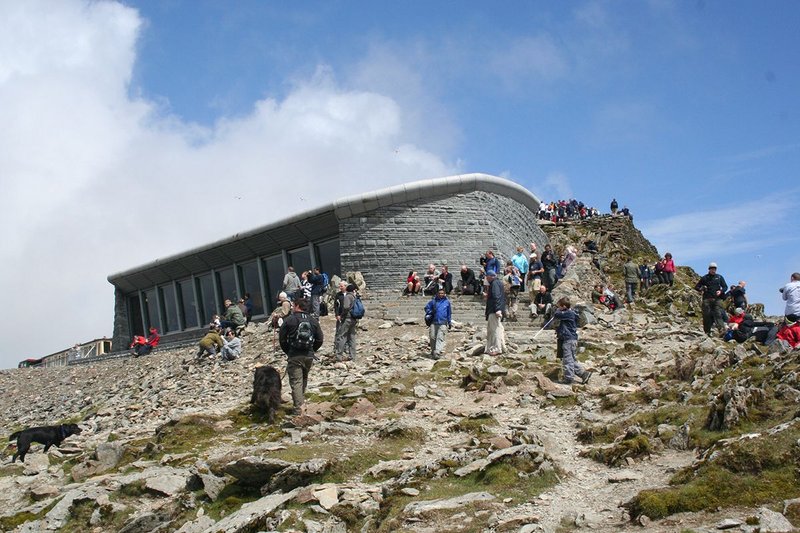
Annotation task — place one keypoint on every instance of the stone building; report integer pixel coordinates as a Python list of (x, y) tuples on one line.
[(382, 234)]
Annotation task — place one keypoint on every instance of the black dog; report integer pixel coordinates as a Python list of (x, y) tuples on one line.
[(47, 435), (267, 391)]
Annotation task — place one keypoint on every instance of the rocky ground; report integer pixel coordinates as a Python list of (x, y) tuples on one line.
[(674, 432)]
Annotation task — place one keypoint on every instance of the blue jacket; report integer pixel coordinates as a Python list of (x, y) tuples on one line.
[(520, 261), (568, 324), (317, 284), (493, 264), (440, 309)]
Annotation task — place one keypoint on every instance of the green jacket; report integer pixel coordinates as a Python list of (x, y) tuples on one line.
[(212, 338), (234, 314), (631, 272)]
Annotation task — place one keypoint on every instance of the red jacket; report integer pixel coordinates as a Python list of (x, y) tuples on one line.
[(791, 334), (669, 265)]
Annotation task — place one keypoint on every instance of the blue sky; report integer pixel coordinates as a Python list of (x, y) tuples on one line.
[(135, 130)]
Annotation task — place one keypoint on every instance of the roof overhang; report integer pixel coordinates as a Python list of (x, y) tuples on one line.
[(309, 226)]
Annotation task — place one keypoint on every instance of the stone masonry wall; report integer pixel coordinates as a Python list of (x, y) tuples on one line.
[(453, 230), (121, 337)]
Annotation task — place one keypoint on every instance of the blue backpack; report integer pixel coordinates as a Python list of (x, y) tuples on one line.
[(358, 309), (325, 280)]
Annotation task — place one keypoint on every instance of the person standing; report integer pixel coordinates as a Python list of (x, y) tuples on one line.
[(300, 337), (520, 260), (318, 288), (631, 273), (495, 306), (290, 283), (713, 287), (614, 206), (791, 295), (535, 272), (346, 327), (438, 308), (668, 269), (550, 264), (738, 296), (567, 335)]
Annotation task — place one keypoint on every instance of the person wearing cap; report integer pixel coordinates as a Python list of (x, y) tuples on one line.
[(789, 334), (713, 289), (791, 295), (535, 272), (495, 306)]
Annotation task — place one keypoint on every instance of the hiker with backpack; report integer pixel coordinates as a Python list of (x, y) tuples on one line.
[(438, 318), (347, 318), (300, 337)]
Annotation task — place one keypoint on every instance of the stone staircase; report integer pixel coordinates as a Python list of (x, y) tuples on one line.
[(466, 309)]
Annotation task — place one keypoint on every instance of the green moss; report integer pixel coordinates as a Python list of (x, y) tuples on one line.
[(628, 448), (230, 499), (749, 472), (79, 516), (503, 480), (474, 426)]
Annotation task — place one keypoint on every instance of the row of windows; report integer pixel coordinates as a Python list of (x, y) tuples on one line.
[(191, 302)]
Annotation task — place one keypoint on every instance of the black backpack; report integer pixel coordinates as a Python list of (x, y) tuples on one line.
[(302, 339)]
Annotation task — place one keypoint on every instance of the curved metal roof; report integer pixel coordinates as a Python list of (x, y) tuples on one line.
[(314, 225)]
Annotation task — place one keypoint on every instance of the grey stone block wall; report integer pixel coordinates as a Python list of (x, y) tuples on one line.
[(386, 243), (121, 337)]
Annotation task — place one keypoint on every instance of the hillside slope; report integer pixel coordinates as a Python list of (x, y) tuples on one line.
[(675, 431)]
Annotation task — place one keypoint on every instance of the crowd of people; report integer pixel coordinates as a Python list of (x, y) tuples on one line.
[(500, 283)]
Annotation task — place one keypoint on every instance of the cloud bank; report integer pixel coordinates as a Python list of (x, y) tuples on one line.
[(98, 179)]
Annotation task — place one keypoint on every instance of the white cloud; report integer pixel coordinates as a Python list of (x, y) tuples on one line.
[(98, 181), (557, 186), (728, 231), (528, 59)]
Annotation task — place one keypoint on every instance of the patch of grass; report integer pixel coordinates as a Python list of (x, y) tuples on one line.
[(79, 516), (474, 426), (616, 454), (231, 499), (750, 472), (565, 401), (503, 480), (8, 523)]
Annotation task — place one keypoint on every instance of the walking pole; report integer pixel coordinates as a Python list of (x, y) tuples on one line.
[(543, 327)]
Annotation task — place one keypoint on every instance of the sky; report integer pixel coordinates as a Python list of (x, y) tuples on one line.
[(135, 130)]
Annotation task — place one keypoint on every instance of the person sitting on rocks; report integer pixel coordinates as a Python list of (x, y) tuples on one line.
[(542, 304), (734, 321), (430, 281), (439, 313), (143, 346), (468, 284), (446, 280), (234, 318), (749, 327), (232, 346), (210, 343), (413, 284), (788, 336), (612, 300)]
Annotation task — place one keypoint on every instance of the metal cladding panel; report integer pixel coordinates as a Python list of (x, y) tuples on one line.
[(175, 269), (195, 264)]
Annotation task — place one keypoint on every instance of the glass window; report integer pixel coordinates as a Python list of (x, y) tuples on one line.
[(273, 267), (248, 274), (169, 319), (188, 304), (151, 318), (208, 303), (135, 315), (329, 258), (300, 259), (227, 285)]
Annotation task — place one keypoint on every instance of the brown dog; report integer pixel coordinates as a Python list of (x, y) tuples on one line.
[(267, 391), (47, 435)]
